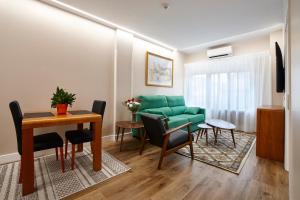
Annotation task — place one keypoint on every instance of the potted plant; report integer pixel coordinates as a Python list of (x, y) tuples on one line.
[(133, 105), (61, 99)]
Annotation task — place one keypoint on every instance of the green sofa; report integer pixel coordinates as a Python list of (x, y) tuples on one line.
[(172, 107)]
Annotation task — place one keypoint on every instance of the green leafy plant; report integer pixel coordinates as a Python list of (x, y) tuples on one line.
[(62, 97)]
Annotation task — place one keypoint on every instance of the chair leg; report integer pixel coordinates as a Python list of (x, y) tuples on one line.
[(92, 147), (20, 176), (160, 160), (66, 148), (56, 153), (191, 149), (62, 160), (73, 156)]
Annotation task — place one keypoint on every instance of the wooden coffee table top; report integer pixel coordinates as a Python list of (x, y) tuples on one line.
[(129, 124), (218, 123)]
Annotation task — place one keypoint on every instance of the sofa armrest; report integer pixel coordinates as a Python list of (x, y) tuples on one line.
[(202, 111)]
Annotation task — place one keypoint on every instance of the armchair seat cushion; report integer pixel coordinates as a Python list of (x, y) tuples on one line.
[(193, 118), (78, 137), (177, 138), (47, 141)]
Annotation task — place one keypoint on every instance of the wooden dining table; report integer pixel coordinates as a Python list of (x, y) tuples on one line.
[(47, 119)]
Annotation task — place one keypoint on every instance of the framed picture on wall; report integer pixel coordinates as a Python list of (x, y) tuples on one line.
[(159, 70)]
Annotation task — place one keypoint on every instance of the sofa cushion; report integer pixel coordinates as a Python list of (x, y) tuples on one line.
[(192, 118), (178, 110), (192, 110), (153, 102), (165, 111), (175, 101), (175, 121)]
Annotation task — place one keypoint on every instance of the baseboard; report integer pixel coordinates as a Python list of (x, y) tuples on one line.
[(13, 157)]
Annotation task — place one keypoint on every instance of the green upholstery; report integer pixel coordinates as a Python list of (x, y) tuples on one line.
[(165, 111), (178, 110), (175, 121), (192, 110), (175, 101), (157, 101), (172, 107)]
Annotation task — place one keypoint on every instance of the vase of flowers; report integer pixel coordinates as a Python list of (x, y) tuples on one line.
[(61, 99), (133, 105)]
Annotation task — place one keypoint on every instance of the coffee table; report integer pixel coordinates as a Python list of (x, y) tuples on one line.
[(219, 124), (203, 129)]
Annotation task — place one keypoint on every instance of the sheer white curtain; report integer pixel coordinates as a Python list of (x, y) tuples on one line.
[(230, 88)]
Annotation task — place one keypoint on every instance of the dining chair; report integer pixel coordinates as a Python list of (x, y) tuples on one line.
[(170, 140), (40, 142), (82, 136)]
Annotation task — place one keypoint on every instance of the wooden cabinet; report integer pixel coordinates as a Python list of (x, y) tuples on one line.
[(270, 133)]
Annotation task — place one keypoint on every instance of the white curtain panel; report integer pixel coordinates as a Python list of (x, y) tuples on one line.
[(230, 88)]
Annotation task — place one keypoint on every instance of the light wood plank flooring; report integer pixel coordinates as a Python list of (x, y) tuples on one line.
[(181, 178)]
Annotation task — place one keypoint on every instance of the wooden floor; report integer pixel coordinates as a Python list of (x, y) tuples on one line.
[(181, 178)]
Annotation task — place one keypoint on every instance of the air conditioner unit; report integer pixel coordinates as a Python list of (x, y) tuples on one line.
[(220, 52)]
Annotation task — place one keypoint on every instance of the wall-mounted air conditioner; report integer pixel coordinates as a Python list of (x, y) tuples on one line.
[(220, 52)]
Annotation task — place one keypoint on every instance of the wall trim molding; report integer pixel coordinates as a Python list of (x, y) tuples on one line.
[(13, 157)]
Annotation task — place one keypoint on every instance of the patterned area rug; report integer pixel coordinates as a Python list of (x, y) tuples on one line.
[(51, 183), (223, 154)]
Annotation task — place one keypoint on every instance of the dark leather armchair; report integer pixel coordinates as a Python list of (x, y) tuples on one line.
[(40, 142), (170, 140), (85, 135)]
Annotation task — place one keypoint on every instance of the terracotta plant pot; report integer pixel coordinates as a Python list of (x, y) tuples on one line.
[(62, 109)]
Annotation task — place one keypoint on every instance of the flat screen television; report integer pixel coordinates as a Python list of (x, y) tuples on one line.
[(280, 74)]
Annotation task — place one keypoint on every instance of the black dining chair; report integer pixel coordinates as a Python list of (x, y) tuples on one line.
[(170, 140), (86, 135), (40, 142)]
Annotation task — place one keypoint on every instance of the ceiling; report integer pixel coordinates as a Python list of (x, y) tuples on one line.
[(186, 23)]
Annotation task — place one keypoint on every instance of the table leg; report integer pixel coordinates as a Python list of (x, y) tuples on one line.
[(206, 137), (27, 161), (117, 135), (80, 146), (143, 137), (215, 130), (232, 135), (199, 132), (122, 136), (97, 145)]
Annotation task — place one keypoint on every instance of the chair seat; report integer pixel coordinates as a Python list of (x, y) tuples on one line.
[(177, 138), (79, 136), (47, 141)]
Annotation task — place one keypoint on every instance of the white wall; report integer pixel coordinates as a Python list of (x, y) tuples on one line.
[(43, 47), (140, 49), (294, 29)]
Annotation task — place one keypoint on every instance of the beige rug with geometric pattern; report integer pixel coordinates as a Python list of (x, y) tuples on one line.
[(51, 183), (223, 155)]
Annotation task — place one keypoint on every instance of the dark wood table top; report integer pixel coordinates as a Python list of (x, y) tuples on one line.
[(129, 124)]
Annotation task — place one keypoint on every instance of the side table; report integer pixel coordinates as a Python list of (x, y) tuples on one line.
[(128, 125)]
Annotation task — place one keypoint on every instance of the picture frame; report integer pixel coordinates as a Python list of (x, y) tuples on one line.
[(159, 70)]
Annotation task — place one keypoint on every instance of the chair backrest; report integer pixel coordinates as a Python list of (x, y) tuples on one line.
[(99, 108), (154, 128), (17, 117)]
